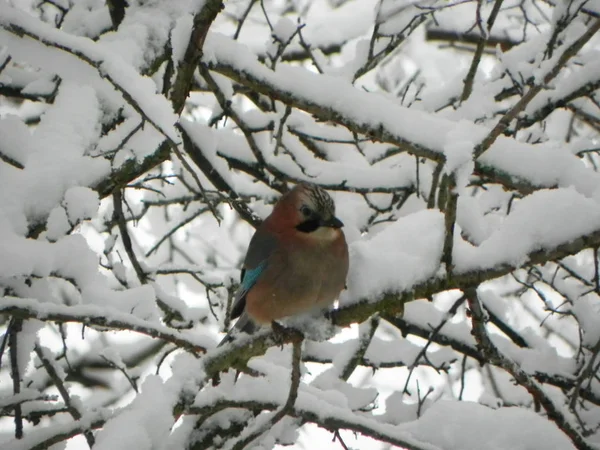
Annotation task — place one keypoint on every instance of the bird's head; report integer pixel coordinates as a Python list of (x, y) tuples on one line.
[(307, 209)]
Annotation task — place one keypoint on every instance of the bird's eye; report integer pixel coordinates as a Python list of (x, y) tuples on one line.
[(305, 210)]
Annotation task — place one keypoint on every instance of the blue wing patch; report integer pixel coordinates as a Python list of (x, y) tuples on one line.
[(249, 279), (251, 276)]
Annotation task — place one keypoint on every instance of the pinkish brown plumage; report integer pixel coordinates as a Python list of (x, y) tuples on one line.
[(297, 260)]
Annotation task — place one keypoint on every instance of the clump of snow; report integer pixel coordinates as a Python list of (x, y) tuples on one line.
[(81, 203), (458, 150), (140, 301), (26, 340), (514, 428), (55, 152), (313, 325), (358, 398), (284, 29), (403, 254), (144, 424), (587, 311), (16, 139), (58, 224), (180, 36)]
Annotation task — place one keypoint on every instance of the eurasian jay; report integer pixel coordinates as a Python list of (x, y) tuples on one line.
[(297, 261)]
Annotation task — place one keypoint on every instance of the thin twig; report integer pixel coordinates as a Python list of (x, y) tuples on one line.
[(423, 352), (243, 18), (120, 219), (64, 393), (468, 87)]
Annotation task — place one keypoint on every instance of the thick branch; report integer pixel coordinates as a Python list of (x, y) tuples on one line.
[(30, 309), (116, 9), (335, 419)]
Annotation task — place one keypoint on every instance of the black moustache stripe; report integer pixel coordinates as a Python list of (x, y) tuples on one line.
[(309, 226)]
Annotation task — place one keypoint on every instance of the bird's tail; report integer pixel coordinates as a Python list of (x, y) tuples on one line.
[(243, 325)]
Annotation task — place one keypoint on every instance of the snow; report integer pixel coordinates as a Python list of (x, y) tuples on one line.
[(81, 203), (512, 428), (145, 423), (587, 311), (436, 429), (531, 227), (395, 259), (54, 158), (16, 142), (180, 36), (284, 29)]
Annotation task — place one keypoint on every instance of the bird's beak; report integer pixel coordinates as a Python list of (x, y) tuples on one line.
[(334, 222)]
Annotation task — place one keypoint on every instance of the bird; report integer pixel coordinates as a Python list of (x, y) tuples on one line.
[(296, 262)]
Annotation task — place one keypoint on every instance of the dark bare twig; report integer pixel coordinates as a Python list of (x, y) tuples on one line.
[(435, 179), (13, 162), (120, 219), (365, 338), (468, 86), (423, 352), (243, 18), (14, 328), (217, 180), (226, 107), (279, 135), (337, 436), (132, 380), (421, 399), (58, 383), (586, 374), (5, 338), (463, 366), (175, 228), (308, 51)]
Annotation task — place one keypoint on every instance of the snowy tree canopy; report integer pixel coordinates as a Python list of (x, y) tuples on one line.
[(141, 142)]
